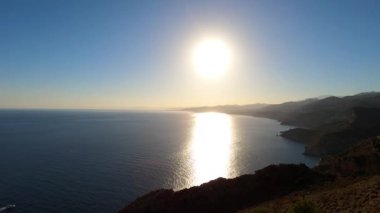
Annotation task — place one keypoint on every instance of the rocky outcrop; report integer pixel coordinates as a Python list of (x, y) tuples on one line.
[(361, 159), (229, 195), (334, 138)]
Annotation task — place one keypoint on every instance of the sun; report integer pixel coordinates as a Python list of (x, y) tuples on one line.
[(212, 58)]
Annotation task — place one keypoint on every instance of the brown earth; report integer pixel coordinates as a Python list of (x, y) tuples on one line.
[(361, 194)]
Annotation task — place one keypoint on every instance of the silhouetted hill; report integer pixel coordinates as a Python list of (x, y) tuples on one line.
[(229, 195), (282, 112), (315, 113), (310, 113)]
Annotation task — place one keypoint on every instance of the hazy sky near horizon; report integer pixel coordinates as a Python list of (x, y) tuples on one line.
[(128, 54)]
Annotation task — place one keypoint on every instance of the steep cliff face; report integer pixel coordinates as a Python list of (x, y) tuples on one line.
[(229, 195)]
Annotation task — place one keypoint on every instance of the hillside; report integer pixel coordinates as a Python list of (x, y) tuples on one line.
[(334, 138), (349, 195), (230, 195), (317, 113), (355, 189)]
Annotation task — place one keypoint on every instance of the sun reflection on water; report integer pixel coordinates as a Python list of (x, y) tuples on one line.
[(211, 146)]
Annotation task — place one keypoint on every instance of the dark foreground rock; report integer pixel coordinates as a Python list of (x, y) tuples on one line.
[(230, 195)]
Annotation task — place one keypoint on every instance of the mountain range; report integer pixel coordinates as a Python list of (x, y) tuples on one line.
[(326, 125)]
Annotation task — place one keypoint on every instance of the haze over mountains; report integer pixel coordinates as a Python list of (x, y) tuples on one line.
[(326, 125)]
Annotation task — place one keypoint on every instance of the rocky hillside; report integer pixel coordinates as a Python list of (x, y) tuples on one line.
[(330, 125), (361, 159), (360, 194), (337, 137), (356, 187), (319, 113)]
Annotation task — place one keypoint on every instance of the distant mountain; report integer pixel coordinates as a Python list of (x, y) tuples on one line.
[(231, 109), (312, 113), (330, 125), (358, 124)]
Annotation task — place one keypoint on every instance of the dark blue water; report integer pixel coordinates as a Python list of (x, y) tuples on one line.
[(97, 161)]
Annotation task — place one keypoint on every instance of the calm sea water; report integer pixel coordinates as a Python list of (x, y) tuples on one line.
[(98, 161)]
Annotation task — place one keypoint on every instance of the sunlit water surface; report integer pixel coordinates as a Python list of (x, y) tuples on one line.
[(96, 161), (211, 150)]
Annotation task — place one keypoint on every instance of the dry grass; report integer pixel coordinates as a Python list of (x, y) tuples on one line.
[(346, 195)]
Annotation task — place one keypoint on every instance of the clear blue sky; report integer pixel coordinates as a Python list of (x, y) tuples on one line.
[(122, 54)]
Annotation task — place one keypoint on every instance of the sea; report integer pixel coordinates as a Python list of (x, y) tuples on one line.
[(99, 161)]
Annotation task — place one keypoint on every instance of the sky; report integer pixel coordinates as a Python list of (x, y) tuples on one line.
[(137, 54)]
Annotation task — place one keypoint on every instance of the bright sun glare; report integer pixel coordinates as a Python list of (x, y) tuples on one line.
[(212, 58)]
